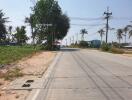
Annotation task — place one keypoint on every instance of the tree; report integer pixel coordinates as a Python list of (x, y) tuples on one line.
[(130, 33), (48, 12), (83, 32), (119, 34), (20, 35), (101, 33), (31, 21), (10, 33), (125, 30), (3, 31)]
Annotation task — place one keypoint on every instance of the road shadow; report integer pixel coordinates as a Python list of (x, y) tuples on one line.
[(69, 49)]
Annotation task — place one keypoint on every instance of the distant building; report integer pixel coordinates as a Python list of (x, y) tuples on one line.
[(94, 43)]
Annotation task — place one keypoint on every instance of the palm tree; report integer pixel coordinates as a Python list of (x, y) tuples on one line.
[(119, 35), (130, 33), (10, 29), (125, 30), (30, 20), (10, 32), (83, 32), (101, 32)]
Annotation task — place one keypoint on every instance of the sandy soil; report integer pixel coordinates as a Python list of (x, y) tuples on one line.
[(34, 66), (128, 55)]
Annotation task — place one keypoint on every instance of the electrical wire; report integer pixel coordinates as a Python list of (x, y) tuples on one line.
[(87, 25), (86, 19), (100, 18)]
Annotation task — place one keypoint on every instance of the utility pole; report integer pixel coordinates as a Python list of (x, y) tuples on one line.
[(107, 17)]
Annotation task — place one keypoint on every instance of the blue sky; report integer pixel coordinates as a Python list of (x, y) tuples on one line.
[(17, 10)]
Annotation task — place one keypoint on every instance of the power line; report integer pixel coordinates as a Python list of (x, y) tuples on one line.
[(87, 24), (122, 18), (100, 18), (88, 19)]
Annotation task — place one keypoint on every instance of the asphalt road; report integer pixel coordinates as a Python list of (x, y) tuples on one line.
[(89, 75)]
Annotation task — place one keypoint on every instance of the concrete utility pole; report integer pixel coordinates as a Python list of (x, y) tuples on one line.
[(107, 17)]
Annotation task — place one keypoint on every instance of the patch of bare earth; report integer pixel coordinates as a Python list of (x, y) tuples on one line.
[(33, 67), (127, 55)]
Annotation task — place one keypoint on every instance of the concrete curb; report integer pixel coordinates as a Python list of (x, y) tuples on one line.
[(35, 92)]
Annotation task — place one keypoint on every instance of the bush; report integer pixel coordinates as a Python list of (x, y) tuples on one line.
[(105, 47), (83, 44), (116, 50)]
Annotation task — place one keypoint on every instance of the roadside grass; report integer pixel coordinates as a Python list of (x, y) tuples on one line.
[(11, 74), (116, 50), (9, 54)]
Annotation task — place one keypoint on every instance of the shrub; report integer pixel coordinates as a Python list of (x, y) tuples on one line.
[(83, 44), (116, 50), (105, 47)]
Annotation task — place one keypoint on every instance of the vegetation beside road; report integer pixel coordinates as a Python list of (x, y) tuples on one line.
[(111, 48), (10, 54)]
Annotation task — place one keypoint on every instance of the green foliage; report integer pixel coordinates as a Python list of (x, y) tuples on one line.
[(119, 34), (20, 35), (10, 54), (2, 27), (105, 47), (83, 44), (117, 50), (113, 49), (49, 12)]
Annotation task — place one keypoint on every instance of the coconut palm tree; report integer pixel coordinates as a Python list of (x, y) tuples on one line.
[(101, 32), (10, 32), (30, 21), (130, 33), (125, 30), (83, 32), (119, 35)]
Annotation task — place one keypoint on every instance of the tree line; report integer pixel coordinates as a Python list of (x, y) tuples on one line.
[(47, 23), (125, 32)]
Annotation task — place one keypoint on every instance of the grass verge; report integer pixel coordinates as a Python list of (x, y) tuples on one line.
[(10, 54)]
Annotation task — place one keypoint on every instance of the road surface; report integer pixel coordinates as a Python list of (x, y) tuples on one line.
[(89, 75)]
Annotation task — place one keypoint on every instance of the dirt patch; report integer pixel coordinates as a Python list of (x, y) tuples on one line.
[(127, 55), (34, 66), (37, 64)]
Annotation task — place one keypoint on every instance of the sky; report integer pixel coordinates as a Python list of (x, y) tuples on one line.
[(17, 10)]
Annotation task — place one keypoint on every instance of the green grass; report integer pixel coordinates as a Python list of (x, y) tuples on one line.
[(9, 54)]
